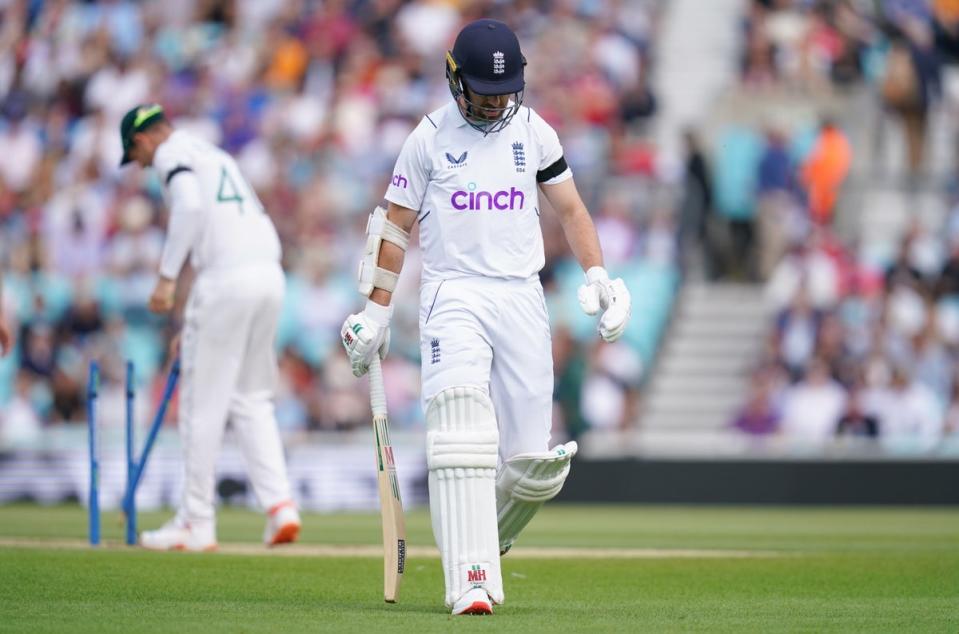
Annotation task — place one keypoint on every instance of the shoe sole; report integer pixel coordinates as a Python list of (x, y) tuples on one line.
[(287, 534), (477, 608), (181, 548)]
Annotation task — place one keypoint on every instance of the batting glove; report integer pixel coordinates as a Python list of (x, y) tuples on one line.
[(366, 334), (600, 292)]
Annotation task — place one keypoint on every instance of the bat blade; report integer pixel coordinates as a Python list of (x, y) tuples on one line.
[(391, 503), (391, 511)]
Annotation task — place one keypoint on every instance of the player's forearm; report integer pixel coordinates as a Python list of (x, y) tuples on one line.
[(391, 259), (391, 256), (577, 225), (582, 238)]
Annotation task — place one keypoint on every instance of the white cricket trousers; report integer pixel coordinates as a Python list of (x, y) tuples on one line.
[(229, 373), (492, 334)]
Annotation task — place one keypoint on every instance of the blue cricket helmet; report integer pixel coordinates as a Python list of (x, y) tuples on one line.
[(486, 58)]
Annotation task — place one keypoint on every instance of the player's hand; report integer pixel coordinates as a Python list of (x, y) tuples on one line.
[(6, 338), (366, 334), (600, 292), (161, 301)]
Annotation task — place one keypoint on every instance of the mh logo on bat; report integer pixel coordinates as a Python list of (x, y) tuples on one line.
[(473, 200)]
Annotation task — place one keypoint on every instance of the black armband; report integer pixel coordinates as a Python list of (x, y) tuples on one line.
[(176, 170), (552, 171)]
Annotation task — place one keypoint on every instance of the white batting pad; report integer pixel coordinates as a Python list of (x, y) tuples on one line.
[(461, 453), (524, 483)]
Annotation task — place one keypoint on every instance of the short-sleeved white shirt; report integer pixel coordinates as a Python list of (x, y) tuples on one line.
[(235, 229), (477, 194)]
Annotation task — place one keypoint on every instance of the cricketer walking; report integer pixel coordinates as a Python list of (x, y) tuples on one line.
[(470, 174), (228, 362)]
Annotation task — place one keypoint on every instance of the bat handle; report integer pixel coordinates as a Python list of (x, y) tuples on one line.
[(377, 389)]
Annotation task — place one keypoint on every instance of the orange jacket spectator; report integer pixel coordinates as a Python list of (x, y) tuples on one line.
[(288, 64), (825, 170), (946, 11)]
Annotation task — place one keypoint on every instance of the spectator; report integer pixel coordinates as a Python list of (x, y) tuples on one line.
[(22, 149), (911, 83), (812, 408), (932, 365), (758, 62), (947, 284), (609, 399), (6, 338), (825, 170), (951, 427), (775, 202), (909, 412), (697, 203), (808, 266), (736, 173), (856, 421), (759, 417), (797, 330)]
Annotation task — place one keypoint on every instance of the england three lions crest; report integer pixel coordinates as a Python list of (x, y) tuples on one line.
[(499, 63), (519, 157)]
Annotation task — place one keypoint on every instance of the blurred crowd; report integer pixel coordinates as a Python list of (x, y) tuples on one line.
[(314, 98), (864, 344), (861, 350), (770, 178)]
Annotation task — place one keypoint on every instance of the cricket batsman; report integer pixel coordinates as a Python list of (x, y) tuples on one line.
[(470, 174), (227, 358)]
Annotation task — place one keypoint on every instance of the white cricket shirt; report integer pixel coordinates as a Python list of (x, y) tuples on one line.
[(216, 216), (477, 195)]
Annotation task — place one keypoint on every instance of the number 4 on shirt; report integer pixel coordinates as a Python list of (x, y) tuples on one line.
[(228, 191)]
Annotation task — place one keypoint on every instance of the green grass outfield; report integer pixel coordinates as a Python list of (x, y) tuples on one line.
[(663, 569)]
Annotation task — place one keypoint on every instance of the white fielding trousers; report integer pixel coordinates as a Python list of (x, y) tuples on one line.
[(494, 335), (229, 373)]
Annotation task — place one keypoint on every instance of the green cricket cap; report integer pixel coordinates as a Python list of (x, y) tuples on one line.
[(137, 120)]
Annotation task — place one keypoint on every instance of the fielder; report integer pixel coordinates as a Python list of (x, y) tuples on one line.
[(228, 362), (469, 175)]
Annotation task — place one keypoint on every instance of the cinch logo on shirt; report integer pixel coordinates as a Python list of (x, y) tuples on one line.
[(399, 181), (478, 201)]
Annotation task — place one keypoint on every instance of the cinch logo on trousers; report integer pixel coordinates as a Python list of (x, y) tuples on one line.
[(478, 201), (399, 181)]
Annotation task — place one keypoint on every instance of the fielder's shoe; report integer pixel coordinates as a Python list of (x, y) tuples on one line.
[(178, 534), (282, 524), (475, 601)]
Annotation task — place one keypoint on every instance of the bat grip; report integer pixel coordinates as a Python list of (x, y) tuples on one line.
[(377, 389)]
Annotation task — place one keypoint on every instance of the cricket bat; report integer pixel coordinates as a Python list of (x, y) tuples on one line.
[(391, 506)]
